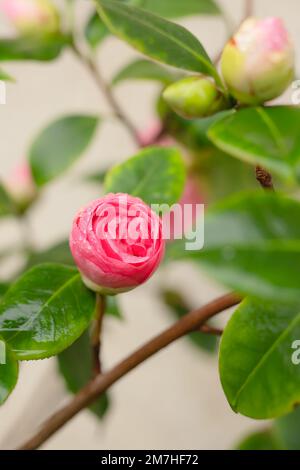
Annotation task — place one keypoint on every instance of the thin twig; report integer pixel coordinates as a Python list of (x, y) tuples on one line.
[(91, 65), (96, 334), (210, 330), (101, 383), (249, 8)]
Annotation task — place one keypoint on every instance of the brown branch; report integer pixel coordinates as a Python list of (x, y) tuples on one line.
[(210, 330), (249, 8), (90, 64), (96, 334), (101, 383), (264, 178)]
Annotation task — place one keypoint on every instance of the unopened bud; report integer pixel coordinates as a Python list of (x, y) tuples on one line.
[(195, 97), (258, 62), (32, 17)]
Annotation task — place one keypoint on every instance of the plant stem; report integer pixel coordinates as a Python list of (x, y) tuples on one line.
[(91, 65), (101, 383), (96, 334), (209, 330), (249, 8)]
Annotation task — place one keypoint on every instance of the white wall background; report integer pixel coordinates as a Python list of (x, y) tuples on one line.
[(175, 399)]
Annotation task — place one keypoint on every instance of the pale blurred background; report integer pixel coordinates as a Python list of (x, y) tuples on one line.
[(174, 400)]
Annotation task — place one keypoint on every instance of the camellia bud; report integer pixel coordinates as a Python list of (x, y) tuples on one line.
[(31, 17), (195, 97), (258, 62), (21, 187), (117, 243)]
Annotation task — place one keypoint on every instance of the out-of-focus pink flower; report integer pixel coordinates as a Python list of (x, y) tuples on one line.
[(32, 16), (20, 185), (258, 62), (147, 136), (117, 243), (191, 198)]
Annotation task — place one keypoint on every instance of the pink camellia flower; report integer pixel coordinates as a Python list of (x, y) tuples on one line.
[(117, 243), (32, 16), (20, 185), (147, 136), (258, 62)]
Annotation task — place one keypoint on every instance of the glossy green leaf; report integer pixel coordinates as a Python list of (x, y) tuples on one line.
[(6, 204), (178, 307), (156, 37), (9, 370), (252, 245), (59, 253), (180, 8), (96, 31), (287, 429), (45, 311), (261, 440), (76, 366), (156, 175), (145, 70), (32, 48), (59, 145), (269, 137), (257, 372)]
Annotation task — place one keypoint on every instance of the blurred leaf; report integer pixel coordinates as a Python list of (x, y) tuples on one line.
[(180, 8), (59, 253), (141, 69), (156, 175), (5, 76), (59, 145), (251, 245), (32, 48), (76, 366), (156, 37), (179, 309), (112, 307), (260, 440), (256, 368), (6, 204), (288, 430), (45, 311), (8, 371), (269, 137), (96, 30), (3, 288)]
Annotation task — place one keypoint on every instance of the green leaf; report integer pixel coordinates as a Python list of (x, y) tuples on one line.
[(59, 145), (32, 48), (145, 70), (180, 8), (269, 137), (96, 31), (252, 245), (287, 428), (45, 311), (6, 204), (59, 253), (156, 37), (257, 373), (9, 370), (261, 440), (97, 177), (156, 175), (3, 288), (179, 309), (76, 366)]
